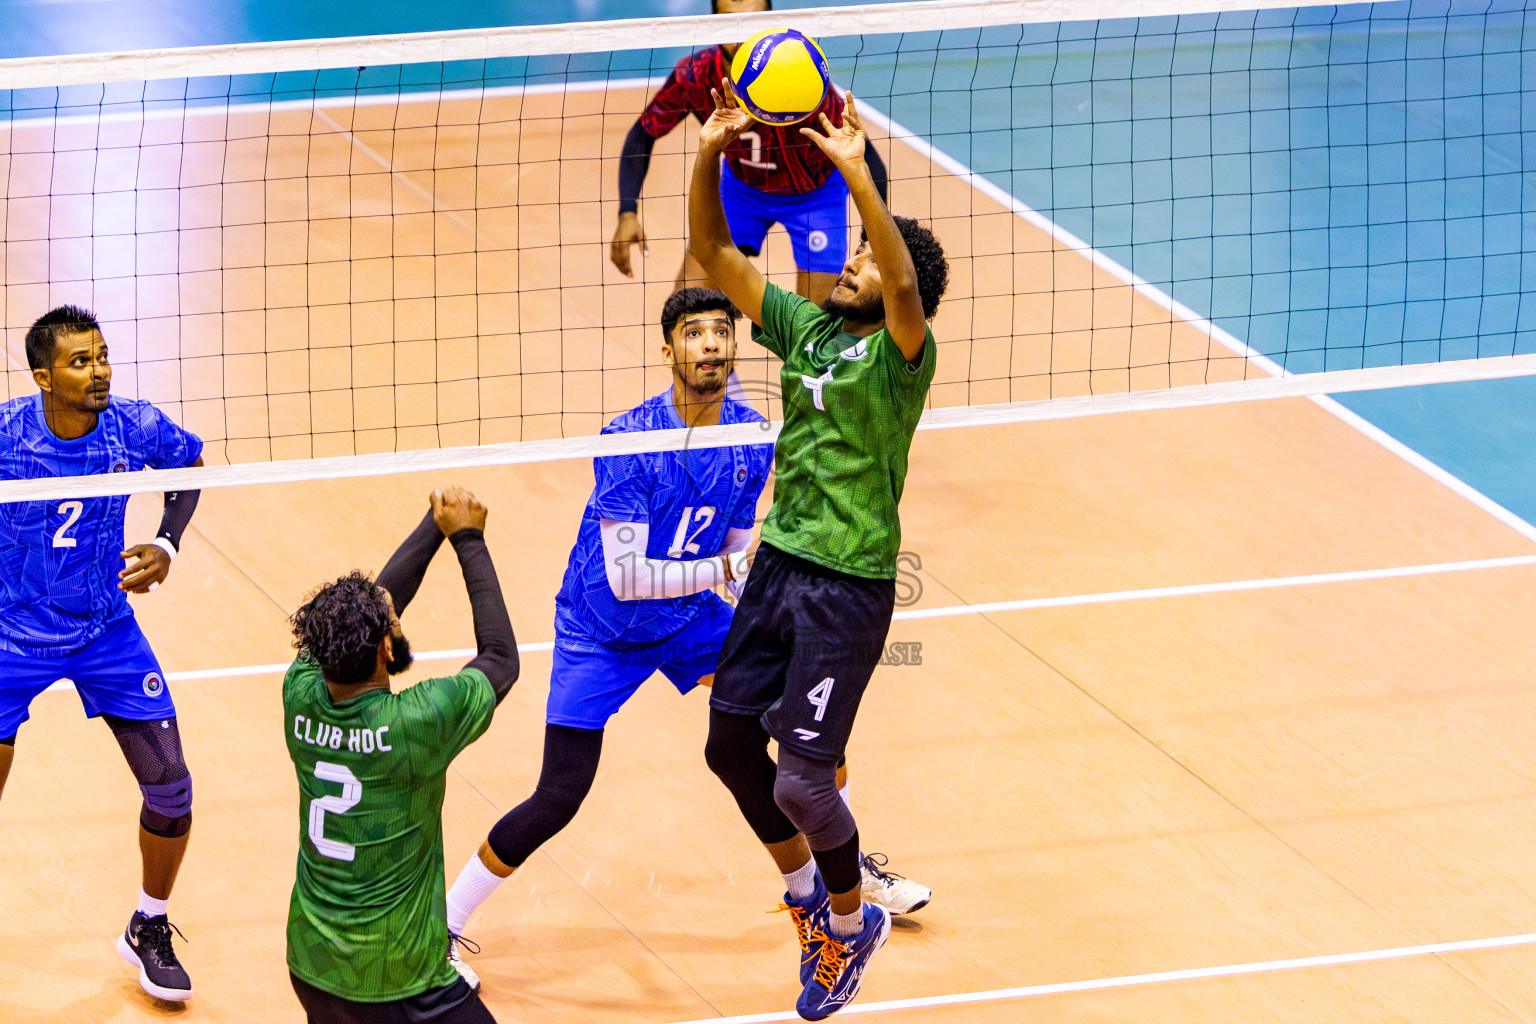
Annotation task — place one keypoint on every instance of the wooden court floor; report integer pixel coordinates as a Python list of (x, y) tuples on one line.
[(1092, 792)]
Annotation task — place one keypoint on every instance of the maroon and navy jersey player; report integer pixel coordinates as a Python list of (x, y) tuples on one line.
[(773, 174), (773, 159)]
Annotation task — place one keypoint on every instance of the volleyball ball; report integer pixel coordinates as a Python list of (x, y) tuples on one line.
[(780, 76)]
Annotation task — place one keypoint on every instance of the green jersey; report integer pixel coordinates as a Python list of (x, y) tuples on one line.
[(850, 408), (367, 920)]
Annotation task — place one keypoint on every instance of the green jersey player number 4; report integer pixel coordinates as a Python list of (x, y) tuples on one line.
[(367, 919)]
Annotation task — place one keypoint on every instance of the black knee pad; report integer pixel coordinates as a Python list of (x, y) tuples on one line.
[(570, 766), (153, 751), (736, 747), (806, 791), (737, 752)]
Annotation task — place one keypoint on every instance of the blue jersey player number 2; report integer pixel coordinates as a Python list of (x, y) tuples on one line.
[(64, 589)]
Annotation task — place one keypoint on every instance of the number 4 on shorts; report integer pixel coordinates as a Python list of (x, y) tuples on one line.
[(820, 694)]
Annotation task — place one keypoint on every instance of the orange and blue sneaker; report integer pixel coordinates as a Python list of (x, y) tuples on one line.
[(840, 968), (810, 918)]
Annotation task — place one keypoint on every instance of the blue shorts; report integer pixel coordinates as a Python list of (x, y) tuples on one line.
[(590, 682), (115, 674), (817, 221)]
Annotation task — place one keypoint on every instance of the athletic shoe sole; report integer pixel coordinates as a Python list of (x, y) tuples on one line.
[(173, 995)]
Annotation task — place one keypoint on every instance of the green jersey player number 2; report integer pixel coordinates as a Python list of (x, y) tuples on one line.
[(367, 919), (372, 774)]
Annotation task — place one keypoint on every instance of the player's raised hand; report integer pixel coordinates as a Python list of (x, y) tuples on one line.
[(148, 569), (844, 145), (629, 232), (455, 509), (726, 123)]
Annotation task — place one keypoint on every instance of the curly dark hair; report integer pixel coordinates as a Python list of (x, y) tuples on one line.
[(341, 626), (927, 259), (46, 330)]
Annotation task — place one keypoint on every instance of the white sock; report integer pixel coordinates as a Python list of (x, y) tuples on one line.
[(801, 882), (847, 800), (846, 926), (149, 906), (472, 888)]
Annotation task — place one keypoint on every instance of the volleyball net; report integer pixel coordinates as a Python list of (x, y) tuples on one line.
[(389, 254)]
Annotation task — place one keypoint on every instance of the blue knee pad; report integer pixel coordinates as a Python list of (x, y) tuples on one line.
[(806, 791), (171, 799), (153, 752), (167, 808)]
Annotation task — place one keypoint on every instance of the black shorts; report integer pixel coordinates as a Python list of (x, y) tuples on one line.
[(803, 644), (451, 1004)]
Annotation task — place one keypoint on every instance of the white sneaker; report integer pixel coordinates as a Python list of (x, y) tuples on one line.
[(896, 893), (457, 961)]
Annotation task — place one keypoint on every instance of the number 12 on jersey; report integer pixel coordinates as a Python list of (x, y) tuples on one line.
[(680, 546)]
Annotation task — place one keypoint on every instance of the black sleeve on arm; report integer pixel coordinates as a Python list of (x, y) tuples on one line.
[(877, 172), (497, 647), (402, 574), (634, 161), (179, 506)]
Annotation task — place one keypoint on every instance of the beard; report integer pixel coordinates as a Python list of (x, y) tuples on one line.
[(690, 377), (400, 657), (862, 309), (708, 385)]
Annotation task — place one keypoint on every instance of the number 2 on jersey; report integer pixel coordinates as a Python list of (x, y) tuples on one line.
[(681, 547), (351, 793), (72, 509)]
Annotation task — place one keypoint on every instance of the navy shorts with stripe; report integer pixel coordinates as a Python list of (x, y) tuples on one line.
[(802, 647)]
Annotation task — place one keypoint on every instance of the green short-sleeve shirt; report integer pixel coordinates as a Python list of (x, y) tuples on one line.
[(368, 916), (851, 406)]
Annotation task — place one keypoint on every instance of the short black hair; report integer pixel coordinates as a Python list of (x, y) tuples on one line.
[(686, 301), (46, 330), (341, 626), (927, 259)]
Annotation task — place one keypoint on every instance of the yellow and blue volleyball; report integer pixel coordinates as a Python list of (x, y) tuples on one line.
[(780, 76)]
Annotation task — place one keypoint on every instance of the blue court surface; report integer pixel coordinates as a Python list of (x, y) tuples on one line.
[(1335, 186)]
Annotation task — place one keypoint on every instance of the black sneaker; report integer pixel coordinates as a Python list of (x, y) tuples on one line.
[(146, 944)]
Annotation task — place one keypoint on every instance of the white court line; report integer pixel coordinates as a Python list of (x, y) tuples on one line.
[(1189, 590), (1190, 974), (401, 176), (1195, 589)]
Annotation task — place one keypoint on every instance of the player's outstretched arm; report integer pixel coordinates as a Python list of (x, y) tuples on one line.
[(634, 161), (844, 145), (877, 171), (402, 574), (634, 577), (461, 518), (709, 236), (152, 562)]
